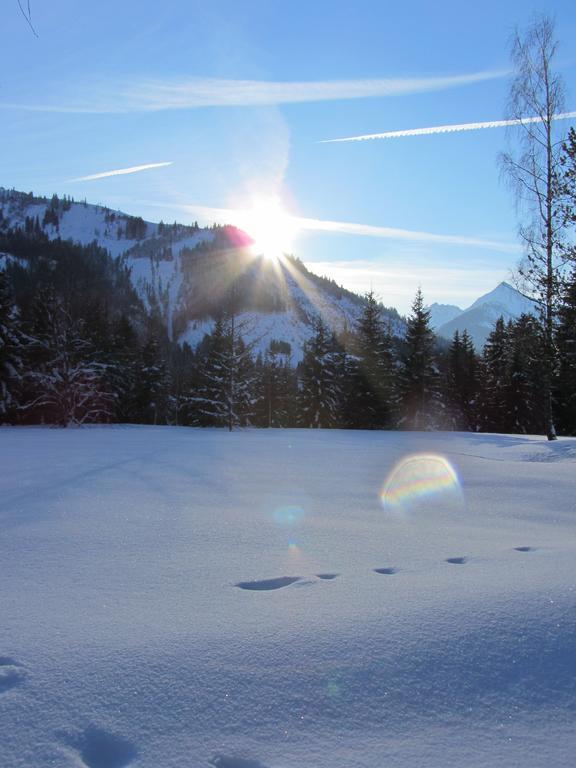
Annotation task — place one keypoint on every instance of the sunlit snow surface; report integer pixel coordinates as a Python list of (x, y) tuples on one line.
[(179, 598)]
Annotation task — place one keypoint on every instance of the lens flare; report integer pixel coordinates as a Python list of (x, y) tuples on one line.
[(288, 515), (417, 478), (333, 688)]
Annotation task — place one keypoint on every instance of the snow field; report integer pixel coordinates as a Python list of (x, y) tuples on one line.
[(182, 597)]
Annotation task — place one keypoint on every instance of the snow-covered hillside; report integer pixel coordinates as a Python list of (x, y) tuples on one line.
[(480, 317), (168, 268), (175, 597)]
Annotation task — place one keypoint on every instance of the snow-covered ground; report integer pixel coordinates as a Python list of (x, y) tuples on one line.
[(146, 619)]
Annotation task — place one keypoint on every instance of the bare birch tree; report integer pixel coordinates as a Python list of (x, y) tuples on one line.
[(533, 170)]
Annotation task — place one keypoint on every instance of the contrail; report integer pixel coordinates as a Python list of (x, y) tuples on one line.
[(450, 128), (120, 171), (192, 93), (237, 217)]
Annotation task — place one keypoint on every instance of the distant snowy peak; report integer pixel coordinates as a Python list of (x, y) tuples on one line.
[(507, 296), (504, 301), (442, 313)]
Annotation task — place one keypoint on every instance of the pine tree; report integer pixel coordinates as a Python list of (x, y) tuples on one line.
[(276, 387), (420, 400), (152, 385), (371, 401), (566, 340), (210, 400), (495, 358), (568, 192), (524, 411), (319, 389), (123, 372), (11, 344), (181, 366), (65, 381), (463, 385), (226, 393)]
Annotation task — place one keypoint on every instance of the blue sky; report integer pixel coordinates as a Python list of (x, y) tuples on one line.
[(116, 85)]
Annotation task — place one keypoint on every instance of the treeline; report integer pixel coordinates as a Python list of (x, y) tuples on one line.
[(78, 346)]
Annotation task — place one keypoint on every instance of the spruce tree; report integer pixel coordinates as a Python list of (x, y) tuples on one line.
[(566, 340), (152, 385), (181, 365), (420, 399), (371, 401), (65, 380), (123, 372), (524, 410), (209, 400), (319, 390), (11, 347), (226, 394), (277, 389), (495, 359), (463, 385)]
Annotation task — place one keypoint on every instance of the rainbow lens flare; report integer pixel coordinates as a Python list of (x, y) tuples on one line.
[(418, 478)]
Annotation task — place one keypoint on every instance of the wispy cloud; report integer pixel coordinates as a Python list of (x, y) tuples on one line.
[(190, 93), (121, 171), (393, 233), (449, 128), (235, 217)]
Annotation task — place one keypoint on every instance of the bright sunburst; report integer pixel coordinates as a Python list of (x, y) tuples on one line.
[(270, 226)]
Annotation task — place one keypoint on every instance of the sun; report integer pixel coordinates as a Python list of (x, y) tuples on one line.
[(270, 226)]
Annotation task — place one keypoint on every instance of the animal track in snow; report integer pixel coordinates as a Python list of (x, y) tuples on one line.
[(267, 584), (524, 549), (385, 571), (227, 761), (457, 560), (327, 576), (99, 749), (11, 673)]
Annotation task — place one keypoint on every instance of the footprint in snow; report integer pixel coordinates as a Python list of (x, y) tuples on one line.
[(385, 571), (227, 761), (524, 549), (99, 749), (11, 673), (327, 576), (267, 584), (457, 560)]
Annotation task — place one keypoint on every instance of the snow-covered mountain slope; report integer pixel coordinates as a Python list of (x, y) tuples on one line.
[(186, 272), (183, 598), (480, 316), (442, 313)]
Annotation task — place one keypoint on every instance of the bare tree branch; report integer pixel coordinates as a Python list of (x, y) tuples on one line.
[(27, 14)]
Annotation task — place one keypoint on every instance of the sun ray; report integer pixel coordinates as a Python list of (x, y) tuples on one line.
[(314, 296)]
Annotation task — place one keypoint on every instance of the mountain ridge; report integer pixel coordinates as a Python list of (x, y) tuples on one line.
[(184, 272)]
